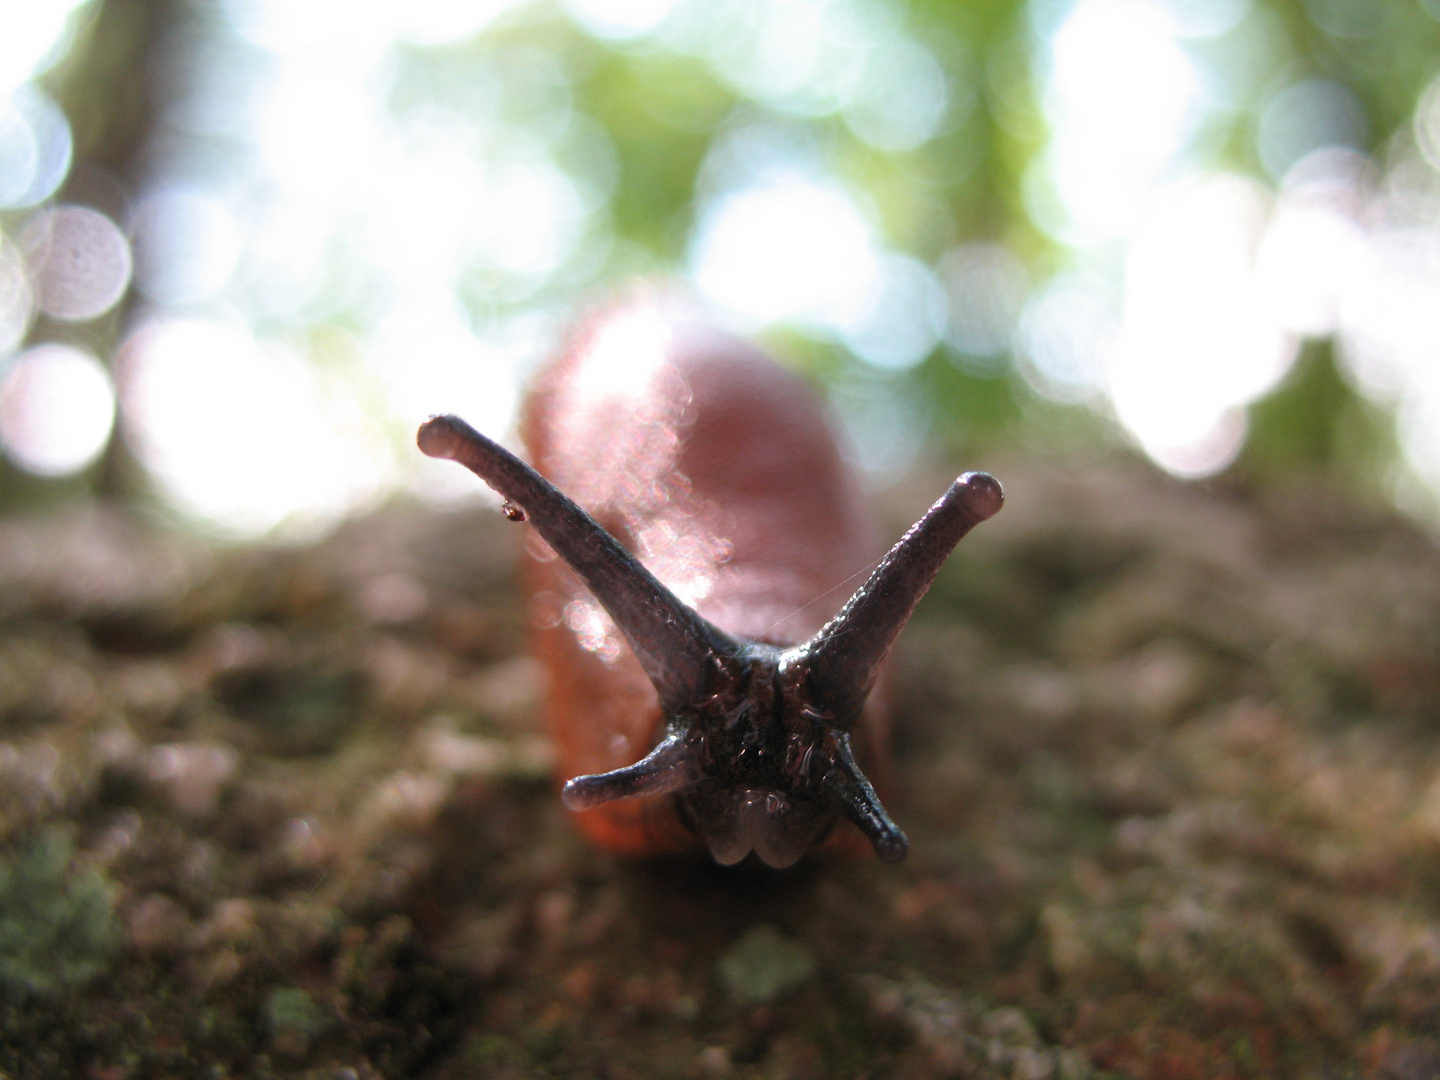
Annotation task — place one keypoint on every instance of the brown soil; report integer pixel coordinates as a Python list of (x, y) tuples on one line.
[(1167, 758)]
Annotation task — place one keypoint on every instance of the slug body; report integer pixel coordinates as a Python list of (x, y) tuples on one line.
[(705, 685)]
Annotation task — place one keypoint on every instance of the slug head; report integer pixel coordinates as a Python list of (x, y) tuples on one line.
[(755, 766), (757, 749)]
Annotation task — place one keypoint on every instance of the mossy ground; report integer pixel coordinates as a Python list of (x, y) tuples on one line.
[(1169, 759)]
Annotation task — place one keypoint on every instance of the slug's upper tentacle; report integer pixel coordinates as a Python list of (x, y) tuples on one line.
[(839, 664), (683, 654)]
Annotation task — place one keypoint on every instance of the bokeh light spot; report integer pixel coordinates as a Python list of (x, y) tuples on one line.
[(1198, 340), (1315, 244), (17, 301), (57, 407), (429, 361), (1207, 18), (798, 56), (900, 100), (1390, 322), (436, 22), (1066, 330), (885, 421), (625, 352), (786, 249), (987, 286), (530, 218), (1306, 116), (186, 245), (36, 34), (619, 19), (35, 148), (905, 316), (79, 260), (243, 433), (1347, 19), (1427, 123), (1213, 449), (351, 31), (1123, 98)]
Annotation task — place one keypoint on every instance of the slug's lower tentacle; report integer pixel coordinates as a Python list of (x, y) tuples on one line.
[(682, 653), (858, 802), (668, 768)]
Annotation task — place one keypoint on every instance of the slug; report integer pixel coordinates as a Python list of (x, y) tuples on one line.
[(703, 686)]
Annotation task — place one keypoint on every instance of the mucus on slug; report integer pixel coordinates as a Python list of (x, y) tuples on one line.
[(739, 715)]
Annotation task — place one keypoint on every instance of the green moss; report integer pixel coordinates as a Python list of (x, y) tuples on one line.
[(57, 919), (288, 1008), (490, 1050), (764, 963)]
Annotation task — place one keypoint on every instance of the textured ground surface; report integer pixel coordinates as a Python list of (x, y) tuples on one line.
[(1170, 765)]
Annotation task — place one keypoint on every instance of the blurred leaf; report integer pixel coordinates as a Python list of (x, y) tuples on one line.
[(1315, 424)]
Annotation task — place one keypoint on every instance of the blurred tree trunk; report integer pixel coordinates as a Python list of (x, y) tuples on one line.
[(114, 88)]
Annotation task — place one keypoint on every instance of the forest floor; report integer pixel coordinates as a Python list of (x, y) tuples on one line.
[(1169, 760)]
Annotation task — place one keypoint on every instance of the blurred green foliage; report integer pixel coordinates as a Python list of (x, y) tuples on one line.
[(661, 111), (57, 918), (1314, 424)]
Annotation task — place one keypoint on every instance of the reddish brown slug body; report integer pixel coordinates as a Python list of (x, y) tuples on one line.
[(736, 715)]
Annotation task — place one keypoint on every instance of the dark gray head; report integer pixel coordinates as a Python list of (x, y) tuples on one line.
[(757, 748)]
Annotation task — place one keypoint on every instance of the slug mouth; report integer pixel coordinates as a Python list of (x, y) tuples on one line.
[(768, 822)]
